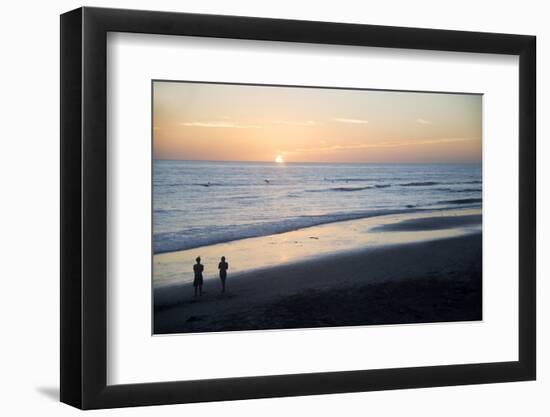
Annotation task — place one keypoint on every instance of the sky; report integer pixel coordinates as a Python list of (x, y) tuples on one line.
[(198, 121)]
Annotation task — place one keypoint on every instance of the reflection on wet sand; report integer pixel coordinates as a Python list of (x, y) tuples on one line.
[(317, 241)]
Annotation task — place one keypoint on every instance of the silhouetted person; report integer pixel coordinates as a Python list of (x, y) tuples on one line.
[(197, 282), (223, 267)]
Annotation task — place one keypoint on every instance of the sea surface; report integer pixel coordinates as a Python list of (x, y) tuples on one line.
[(201, 203)]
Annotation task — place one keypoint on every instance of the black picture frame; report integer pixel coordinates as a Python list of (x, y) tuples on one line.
[(84, 207)]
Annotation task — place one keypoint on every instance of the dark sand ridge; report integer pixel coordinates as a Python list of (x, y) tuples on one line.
[(314, 242), (431, 223), (431, 281)]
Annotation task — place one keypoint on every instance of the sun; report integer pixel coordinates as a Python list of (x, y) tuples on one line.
[(279, 159)]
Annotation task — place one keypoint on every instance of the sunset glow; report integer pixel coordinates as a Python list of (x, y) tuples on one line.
[(198, 121)]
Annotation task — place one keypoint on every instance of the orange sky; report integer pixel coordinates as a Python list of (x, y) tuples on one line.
[(197, 121)]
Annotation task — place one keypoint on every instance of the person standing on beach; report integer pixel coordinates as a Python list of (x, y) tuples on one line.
[(223, 267), (197, 282)]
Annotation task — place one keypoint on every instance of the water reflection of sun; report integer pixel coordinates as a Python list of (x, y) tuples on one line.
[(279, 159)]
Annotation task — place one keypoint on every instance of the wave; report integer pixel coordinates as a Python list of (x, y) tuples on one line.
[(322, 190), (458, 190), (350, 188), (347, 179), (466, 190), (367, 187), (419, 184), (358, 188), (203, 236), (364, 179), (431, 183), (407, 184), (209, 235), (462, 201), (196, 237)]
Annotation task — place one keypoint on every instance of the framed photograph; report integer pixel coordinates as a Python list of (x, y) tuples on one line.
[(257, 208)]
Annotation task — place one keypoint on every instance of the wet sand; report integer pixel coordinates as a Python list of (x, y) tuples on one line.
[(430, 223), (316, 242), (428, 281)]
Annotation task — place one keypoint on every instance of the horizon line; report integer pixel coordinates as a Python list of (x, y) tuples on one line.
[(320, 162)]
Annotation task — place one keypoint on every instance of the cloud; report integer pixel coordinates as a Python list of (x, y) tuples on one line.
[(220, 124), (352, 121), (295, 123), (393, 144), (225, 123), (423, 121)]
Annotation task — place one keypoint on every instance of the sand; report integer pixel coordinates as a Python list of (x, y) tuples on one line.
[(315, 242), (429, 281), (430, 223)]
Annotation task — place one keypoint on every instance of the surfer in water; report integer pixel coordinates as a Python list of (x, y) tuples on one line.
[(223, 267), (197, 282)]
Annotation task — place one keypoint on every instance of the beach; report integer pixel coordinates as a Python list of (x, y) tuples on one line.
[(417, 267), (330, 207)]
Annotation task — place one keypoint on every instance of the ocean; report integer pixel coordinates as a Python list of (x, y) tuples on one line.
[(200, 203)]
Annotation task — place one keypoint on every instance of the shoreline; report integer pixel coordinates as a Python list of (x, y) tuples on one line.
[(419, 282), (315, 242), (333, 219)]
